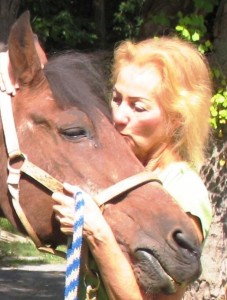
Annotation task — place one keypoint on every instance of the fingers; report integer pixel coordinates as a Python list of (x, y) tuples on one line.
[(65, 209), (7, 80), (65, 216), (66, 224), (63, 199), (2, 87), (72, 189)]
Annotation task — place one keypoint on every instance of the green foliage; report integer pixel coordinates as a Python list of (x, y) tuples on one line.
[(22, 253), (6, 225), (219, 104), (193, 28), (17, 253), (204, 6), (128, 19), (62, 25), (65, 31), (161, 19)]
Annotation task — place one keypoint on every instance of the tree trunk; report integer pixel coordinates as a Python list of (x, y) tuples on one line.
[(220, 37), (99, 11), (8, 15)]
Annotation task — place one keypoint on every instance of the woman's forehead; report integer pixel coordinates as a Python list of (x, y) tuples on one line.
[(138, 81)]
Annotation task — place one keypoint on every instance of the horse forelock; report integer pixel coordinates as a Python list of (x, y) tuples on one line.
[(76, 80)]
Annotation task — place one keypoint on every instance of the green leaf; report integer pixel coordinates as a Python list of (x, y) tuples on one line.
[(223, 113), (186, 33), (195, 37), (179, 28)]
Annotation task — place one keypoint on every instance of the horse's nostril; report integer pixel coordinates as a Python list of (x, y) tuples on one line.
[(184, 242)]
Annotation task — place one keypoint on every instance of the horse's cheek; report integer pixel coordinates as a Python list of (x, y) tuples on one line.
[(125, 235)]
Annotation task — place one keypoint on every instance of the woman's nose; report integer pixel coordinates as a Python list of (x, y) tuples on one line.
[(121, 114)]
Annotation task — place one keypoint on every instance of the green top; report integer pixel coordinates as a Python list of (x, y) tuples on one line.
[(190, 193)]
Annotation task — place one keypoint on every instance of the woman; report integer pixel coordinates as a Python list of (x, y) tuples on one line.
[(161, 99)]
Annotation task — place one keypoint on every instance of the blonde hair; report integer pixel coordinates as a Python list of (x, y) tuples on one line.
[(184, 94)]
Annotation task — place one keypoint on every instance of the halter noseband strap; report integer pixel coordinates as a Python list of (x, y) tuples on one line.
[(46, 179), (123, 186)]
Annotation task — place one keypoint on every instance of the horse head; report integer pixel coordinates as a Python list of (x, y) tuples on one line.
[(64, 126)]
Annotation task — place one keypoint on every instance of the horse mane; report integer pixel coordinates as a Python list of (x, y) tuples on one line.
[(77, 79)]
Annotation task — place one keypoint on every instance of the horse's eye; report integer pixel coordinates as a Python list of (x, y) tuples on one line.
[(74, 133)]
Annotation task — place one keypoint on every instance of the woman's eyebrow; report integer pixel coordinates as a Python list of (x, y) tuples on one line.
[(131, 97), (141, 98)]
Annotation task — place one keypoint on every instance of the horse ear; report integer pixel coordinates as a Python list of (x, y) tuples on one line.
[(40, 52), (23, 55)]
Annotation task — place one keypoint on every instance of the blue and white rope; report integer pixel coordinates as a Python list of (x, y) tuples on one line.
[(74, 251)]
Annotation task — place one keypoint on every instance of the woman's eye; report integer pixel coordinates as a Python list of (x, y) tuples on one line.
[(139, 108), (116, 100)]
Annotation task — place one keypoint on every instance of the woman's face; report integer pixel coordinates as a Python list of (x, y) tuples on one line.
[(137, 115)]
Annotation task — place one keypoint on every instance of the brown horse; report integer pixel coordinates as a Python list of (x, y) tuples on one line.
[(64, 126)]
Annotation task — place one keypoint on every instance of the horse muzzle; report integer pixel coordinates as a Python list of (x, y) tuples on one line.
[(153, 277), (150, 274)]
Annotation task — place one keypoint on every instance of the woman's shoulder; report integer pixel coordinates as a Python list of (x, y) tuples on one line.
[(178, 171), (189, 191)]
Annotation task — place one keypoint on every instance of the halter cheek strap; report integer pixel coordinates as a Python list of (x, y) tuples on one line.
[(14, 174)]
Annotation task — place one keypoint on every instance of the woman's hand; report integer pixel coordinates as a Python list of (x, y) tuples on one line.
[(7, 81), (64, 208)]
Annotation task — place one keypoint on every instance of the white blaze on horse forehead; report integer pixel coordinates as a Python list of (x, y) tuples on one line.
[(27, 125)]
